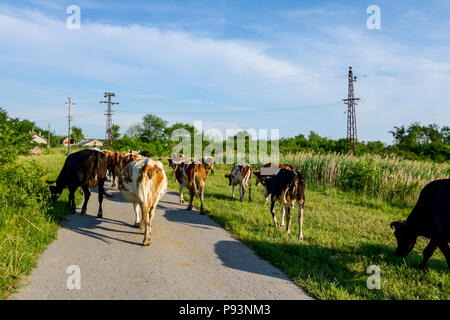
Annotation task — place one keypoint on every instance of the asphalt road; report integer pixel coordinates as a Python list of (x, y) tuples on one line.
[(191, 257)]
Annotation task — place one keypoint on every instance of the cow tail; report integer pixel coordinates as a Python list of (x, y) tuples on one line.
[(196, 184)]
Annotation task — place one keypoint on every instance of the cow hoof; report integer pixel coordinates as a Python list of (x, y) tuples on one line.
[(202, 212), (146, 243), (100, 215), (181, 201), (189, 208), (82, 212), (137, 225)]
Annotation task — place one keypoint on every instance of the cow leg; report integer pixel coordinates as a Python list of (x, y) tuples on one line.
[(282, 212), (202, 193), (147, 217), (250, 189), (443, 245), (72, 205), (232, 191), (241, 192), (300, 222), (272, 211), (212, 172), (138, 213), (87, 195), (101, 191), (427, 253), (288, 218), (181, 194), (191, 200), (113, 180)]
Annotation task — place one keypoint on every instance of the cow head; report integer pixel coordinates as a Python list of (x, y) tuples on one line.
[(55, 191), (405, 238), (258, 178), (228, 176)]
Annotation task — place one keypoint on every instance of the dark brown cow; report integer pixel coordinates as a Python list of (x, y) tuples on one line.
[(287, 187), (85, 169), (193, 176)]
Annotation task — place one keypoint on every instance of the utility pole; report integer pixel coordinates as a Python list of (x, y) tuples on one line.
[(351, 102), (108, 114), (49, 145), (70, 104)]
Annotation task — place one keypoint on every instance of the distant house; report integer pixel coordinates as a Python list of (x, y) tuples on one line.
[(38, 138), (90, 143), (65, 141)]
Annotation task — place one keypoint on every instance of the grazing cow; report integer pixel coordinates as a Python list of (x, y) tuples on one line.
[(85, 169), (193, 176), (287, 187), (241, 175), (208, 163), (430, 218), (265, 173), (143, 182)]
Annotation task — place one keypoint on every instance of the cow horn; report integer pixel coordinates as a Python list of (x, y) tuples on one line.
[(395, 224)]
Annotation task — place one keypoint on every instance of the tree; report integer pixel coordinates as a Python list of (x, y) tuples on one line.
[(15, 137), (115, 129), (77, 134), (152, 128)]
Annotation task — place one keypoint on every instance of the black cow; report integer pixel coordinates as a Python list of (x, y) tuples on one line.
[(85, 169), (287, 187), (430, 218)]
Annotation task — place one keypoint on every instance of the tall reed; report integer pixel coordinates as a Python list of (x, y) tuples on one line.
[(391, 179)]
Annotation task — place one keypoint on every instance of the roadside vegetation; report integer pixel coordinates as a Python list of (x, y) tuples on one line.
[(28, 223), (344, 235)]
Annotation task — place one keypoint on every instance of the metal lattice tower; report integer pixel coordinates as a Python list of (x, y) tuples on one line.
[(108, 114), (351, 102)]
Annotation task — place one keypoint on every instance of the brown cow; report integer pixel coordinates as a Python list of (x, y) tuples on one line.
[(193, 176)]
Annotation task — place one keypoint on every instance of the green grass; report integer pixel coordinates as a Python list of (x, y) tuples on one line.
[(28, 223), (344, 235)]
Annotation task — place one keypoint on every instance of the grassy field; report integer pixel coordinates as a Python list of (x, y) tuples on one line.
[(28, 224), (344, 235)]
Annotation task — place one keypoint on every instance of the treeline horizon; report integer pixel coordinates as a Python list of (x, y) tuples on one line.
[(153, 134)]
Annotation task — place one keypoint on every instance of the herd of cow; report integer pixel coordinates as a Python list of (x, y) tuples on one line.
[(143, 182)]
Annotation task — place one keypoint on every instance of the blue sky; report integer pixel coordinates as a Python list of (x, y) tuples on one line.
[(232, 64)]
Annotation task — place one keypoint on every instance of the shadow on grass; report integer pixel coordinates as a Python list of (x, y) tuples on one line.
[(336, 267)]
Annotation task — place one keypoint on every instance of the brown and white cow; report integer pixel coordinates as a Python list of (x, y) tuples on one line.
[(288, 188), (241, 175), (193, 176), (268, 171), (143, 182)]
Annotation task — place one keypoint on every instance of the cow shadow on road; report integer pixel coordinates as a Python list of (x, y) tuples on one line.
[(192, 218), (103, 229)]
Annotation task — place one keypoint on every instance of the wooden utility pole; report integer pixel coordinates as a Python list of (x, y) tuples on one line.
[(70, 104), (49, 144), (352, 136)]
